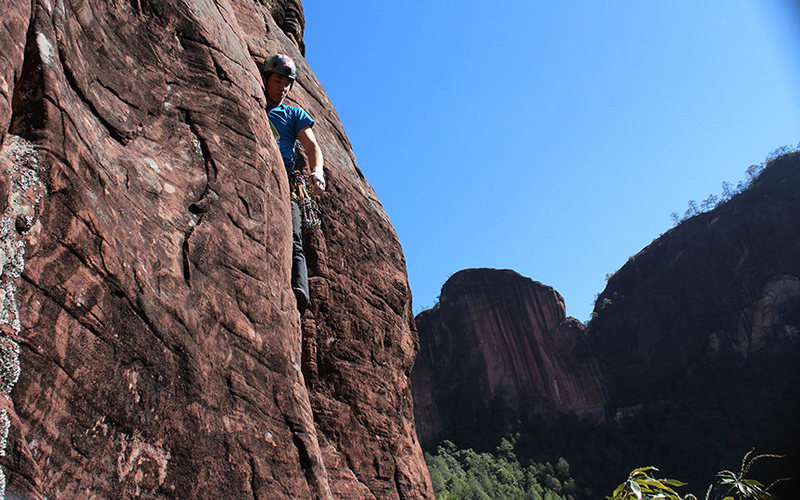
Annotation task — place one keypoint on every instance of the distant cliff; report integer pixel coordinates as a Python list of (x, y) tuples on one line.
[(145, 268), (496, 348), (719, 286), (723, 283)]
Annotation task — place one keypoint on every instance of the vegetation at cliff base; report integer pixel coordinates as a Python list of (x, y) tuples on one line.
[(707, 425), (466, 474)]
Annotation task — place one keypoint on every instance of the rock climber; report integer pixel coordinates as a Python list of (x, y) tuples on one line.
[(290, 123)]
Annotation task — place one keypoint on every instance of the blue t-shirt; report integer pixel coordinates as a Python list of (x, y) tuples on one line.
[(286, 122)]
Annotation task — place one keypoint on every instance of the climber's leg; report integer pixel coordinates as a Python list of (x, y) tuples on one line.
[(299, 267)]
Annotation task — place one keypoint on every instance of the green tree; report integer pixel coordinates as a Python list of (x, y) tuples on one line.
[(466, 474)]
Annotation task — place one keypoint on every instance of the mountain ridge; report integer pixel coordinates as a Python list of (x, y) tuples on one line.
[(719, 285)]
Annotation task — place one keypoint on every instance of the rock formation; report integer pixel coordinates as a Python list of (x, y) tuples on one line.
[(719, 284), (145, 268), (498, 348)]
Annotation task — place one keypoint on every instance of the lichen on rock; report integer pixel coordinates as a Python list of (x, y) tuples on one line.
[(19, 163)]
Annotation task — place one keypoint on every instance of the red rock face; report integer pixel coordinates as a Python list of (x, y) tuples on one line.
[(497, 348), (161, 352)]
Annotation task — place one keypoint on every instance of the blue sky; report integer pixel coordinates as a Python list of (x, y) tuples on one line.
[(552, 138)]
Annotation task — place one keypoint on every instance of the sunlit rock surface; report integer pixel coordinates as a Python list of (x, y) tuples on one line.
[(146, 277)]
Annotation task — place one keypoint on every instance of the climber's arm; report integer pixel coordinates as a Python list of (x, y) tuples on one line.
[(314, 152)]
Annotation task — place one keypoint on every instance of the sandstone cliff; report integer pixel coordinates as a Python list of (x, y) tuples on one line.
[(498, 348), (145, 268)]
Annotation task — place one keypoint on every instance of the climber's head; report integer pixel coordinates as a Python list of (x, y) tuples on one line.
[(278, 73)]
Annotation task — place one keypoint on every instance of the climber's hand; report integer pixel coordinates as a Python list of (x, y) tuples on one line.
[(317, 181)]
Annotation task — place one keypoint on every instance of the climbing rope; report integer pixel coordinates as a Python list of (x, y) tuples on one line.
[(309, 209)]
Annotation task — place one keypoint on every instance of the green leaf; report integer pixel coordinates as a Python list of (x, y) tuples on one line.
[(636, 490), (746, 490), (650, 486)]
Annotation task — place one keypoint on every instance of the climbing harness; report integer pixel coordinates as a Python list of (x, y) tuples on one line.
[(309, 209)]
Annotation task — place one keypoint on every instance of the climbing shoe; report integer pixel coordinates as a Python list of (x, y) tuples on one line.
[(302, 299)]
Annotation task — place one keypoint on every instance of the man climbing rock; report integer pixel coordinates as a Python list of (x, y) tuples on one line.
[(290, 123)]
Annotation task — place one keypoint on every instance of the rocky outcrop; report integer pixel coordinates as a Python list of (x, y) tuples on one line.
[(146, 268), (722, 283), (498, 348), (717, 288), (288, 15)]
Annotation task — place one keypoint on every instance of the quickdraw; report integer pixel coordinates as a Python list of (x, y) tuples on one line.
[(309, 209)]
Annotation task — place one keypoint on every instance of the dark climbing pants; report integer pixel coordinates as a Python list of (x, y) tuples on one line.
[(299, 267)]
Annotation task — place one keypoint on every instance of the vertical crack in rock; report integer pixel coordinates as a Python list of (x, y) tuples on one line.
[(302, 452), (200, 206), (20, 163), (27, 107), (253, 485), (304, 441), (187, 268)]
